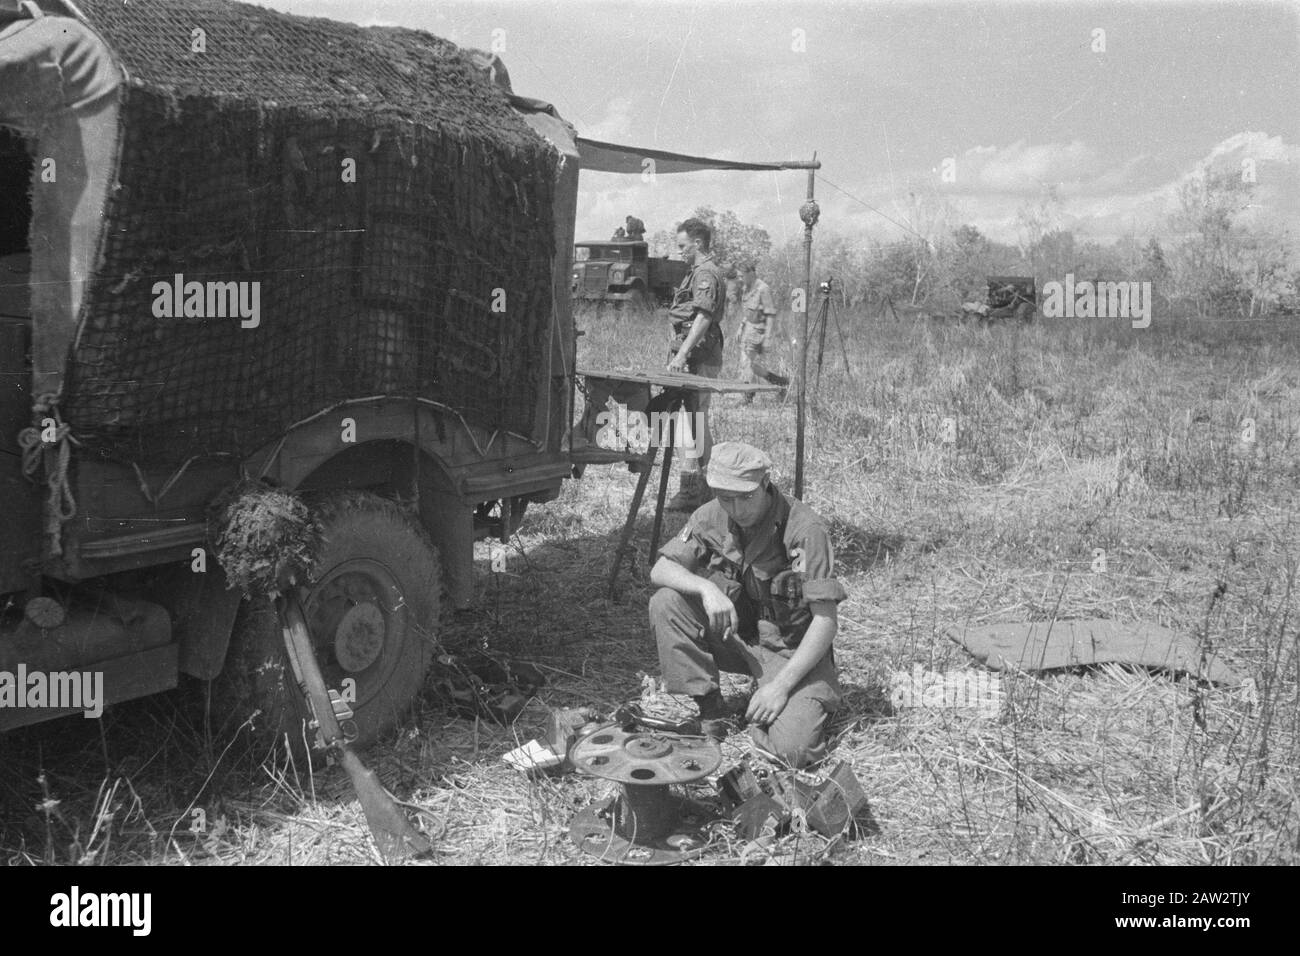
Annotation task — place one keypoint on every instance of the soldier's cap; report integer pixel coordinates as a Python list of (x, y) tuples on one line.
[(736, 466)]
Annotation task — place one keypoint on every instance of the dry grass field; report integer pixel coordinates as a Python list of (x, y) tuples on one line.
[(1069, 438)]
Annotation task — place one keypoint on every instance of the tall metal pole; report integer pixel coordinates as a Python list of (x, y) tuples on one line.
[(809, 213)]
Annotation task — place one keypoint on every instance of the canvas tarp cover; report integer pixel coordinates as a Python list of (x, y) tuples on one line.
[(58, 90), (232, 169), (601, 157), (1043, 646)]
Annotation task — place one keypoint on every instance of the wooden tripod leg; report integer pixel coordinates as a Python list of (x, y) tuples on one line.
[(844, 349), (659, 501), (821, 323), (642, 480), (673, 402)]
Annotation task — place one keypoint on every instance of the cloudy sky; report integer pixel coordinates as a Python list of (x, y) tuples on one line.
[(1112, 105)]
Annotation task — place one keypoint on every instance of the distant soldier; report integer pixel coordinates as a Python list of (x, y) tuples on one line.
[(696, 347), (733, 295), (758, 312), (635, 229)]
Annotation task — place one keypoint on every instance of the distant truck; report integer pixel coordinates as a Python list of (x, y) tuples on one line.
[(623, 272)]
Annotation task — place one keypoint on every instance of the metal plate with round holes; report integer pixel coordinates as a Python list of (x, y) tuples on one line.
[(646, 758), (594, 832)]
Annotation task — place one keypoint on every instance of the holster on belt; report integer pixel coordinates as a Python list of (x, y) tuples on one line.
[(682, 329), (785, 606), (780, 604)]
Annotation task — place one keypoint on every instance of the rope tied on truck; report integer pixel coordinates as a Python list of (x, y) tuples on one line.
[(49, 444)]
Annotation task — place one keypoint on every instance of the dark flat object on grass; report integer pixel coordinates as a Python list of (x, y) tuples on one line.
[(1045, 646), (481, 686)]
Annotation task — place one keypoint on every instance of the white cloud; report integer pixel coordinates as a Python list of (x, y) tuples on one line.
[(616, 124), (1099, 200), (1022, 168), (1113, 203), (1258, 146), (766, 199)]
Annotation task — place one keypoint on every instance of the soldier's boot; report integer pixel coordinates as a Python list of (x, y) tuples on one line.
[(691, 492), (717, 720)]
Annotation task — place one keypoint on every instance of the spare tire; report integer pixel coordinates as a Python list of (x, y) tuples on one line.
[(372, 608)]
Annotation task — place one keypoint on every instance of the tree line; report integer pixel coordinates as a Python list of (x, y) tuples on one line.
[(1216, 257)]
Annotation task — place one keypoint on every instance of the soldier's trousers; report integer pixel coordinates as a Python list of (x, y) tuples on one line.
[(690, 659), (752, 367), (697, 447), (751, 354)]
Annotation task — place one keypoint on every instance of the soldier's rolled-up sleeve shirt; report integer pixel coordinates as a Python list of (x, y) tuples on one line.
[(704, 289), (758, 307), (758, 304), (787, 565)]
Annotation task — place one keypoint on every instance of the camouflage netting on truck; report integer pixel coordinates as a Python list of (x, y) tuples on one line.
[(235, 168)]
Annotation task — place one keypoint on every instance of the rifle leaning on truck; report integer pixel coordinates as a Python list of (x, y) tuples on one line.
[(393, 833)]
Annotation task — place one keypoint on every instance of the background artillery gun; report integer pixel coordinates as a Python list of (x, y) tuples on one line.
[(1009, 297)]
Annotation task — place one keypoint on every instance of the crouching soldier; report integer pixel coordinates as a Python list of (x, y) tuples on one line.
[(749, 587)]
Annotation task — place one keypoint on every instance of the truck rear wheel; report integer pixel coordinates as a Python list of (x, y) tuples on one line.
[(372, 609)]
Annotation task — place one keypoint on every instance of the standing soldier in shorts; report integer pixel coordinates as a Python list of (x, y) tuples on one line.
[(696, 347), (758, 312)]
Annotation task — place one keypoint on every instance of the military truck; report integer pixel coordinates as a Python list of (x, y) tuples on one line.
[(624, 273), (238, 245)]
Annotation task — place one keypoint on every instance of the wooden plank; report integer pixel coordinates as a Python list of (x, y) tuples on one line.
[(595, 455), (679, 380), (625, 539)]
